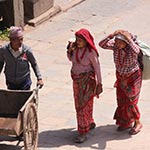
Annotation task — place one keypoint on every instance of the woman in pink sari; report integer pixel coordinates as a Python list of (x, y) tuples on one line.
[(129, 79), (86, 76)]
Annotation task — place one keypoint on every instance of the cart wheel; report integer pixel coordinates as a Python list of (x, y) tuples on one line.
[(30, 127)]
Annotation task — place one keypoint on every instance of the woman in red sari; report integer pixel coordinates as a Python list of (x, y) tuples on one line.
[(86, 76), (129, 79)]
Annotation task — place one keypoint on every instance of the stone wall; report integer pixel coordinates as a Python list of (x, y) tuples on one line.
[(34, 8), (15, 12), (6, 13)]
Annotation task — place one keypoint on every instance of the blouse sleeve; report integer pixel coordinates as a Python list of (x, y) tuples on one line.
[(96, 65), (134, 47), (69, 55), (107, 43)]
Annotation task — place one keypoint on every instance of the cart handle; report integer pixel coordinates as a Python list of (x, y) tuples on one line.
[(35, 92), (37, 88)]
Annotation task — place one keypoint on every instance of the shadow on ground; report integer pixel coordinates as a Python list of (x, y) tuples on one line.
[(9, 145), (97, 139)]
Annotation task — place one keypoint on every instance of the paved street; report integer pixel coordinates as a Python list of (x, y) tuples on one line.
[(57, 121)]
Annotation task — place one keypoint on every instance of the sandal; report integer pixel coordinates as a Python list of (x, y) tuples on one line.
[(135, 130), (120, 128), (92, 126), (81, 138)]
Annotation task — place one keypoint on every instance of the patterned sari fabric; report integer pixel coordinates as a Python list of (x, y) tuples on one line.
[(84, 87), (128, 90)]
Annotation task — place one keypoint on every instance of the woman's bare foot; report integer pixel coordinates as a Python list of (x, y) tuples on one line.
[(136, 128)]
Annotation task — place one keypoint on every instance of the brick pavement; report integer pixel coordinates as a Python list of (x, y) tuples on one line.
[(56, 112)]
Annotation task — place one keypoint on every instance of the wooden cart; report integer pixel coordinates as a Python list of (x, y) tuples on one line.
[(18, 116)]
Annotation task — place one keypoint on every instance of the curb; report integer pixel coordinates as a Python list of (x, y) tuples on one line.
[(45, 16), (71, 4), (52, 12)]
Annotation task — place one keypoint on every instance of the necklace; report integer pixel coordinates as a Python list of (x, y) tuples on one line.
[(81, 57)]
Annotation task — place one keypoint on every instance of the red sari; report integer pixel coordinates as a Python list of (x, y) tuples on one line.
[(128, 91), (84, 87)]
